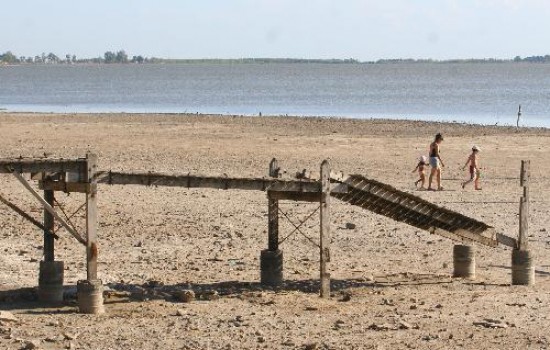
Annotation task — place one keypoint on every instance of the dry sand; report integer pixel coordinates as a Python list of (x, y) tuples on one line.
[(154, 241)]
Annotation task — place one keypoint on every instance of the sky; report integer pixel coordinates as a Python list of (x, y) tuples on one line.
[(360, 29)]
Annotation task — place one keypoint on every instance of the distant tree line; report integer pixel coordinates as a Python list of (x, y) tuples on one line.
[(121, 57), (9, 57), (530, 59), (535, 59)]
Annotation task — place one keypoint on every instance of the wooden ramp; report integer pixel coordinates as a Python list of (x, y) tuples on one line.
[(404, 207)]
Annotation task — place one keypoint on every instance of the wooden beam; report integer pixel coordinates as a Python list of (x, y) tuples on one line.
[(507, 241), (36, 165), (324, 236), (200, 181), (273, 210), (465, 237), (62, 186), (295, 196), (48, 207), (91, 218)]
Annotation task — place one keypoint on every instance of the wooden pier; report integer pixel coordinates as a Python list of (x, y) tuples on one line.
[(83, 176)]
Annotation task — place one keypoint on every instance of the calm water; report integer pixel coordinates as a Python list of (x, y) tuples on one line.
[(478, 93)]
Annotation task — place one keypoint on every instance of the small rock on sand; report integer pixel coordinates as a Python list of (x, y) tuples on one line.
[(350, 226), (185, 296), (6, 316), (31, 344)]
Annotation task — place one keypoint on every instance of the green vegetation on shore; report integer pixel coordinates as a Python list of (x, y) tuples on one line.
[(121, 57)]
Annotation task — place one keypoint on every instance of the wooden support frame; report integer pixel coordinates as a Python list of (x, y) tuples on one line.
[(91, 218), (48, 207), (398, 206), (324, 234)]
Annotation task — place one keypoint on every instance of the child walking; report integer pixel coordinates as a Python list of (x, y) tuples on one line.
[(423, 161), (475, 173)]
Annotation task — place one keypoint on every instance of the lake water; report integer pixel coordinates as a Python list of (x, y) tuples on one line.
[(473, 93)]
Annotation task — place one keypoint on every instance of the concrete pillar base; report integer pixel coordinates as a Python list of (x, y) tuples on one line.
[(523, 268), (271, 266), (50, 281), (464, 261), (90, 296)]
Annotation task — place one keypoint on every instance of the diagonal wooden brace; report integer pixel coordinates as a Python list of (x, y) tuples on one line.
[(48, 207), (26, 216)]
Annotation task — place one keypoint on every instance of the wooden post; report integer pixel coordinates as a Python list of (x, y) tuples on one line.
[(273, 211), (271, 259), (91, 218), (523, 265), (524, 207), (90, 290), (325, 229), (49, 222)]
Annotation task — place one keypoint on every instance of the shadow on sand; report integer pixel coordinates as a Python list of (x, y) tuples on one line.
[(27, 298)]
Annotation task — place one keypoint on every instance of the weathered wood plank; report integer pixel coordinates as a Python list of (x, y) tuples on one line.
[(295, 196), (38, 165), (507, 240), (464, 237), (61, 186), (200, 181)]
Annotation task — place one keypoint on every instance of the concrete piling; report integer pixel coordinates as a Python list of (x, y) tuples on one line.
[(271, 266), (523, 269), (50, 281), (90, 296), (464, 261)]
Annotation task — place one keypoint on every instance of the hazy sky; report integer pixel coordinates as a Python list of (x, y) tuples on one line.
[(362, 29)]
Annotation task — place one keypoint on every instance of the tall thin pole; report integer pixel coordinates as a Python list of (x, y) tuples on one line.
[(519, 116)]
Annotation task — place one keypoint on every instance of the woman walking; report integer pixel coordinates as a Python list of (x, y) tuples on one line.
[(436, 162)]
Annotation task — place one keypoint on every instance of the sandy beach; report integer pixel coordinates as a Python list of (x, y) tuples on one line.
[(392, 285)]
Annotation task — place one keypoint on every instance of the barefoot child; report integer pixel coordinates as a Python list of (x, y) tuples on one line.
[(475, 173), (420, 167)]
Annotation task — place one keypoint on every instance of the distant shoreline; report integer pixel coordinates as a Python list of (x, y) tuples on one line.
[(155, 60), (10, 116)]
